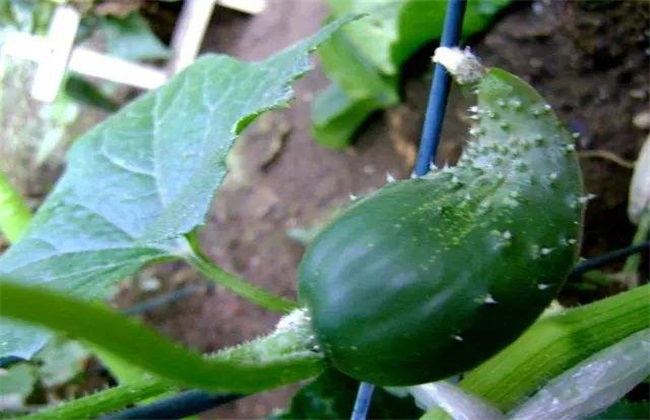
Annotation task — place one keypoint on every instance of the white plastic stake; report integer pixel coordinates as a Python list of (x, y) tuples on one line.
[(92, 63), (189, 32), (251, 7), (58, 44)]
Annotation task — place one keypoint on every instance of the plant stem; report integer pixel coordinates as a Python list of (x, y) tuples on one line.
[(284, 356), (554, 344), (106, 401), (14, 212), (237, 285)]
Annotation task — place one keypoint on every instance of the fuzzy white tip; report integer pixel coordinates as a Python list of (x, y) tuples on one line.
[(294, 320), (462, 64)]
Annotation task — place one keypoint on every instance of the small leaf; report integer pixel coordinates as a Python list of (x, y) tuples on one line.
[(336, 117), (141, 180), (356, 76), (87, 93), (374, 49), (332, 395), (131, 38), (395, 29)]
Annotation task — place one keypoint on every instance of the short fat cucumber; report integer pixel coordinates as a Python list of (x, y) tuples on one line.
[(428, 277)]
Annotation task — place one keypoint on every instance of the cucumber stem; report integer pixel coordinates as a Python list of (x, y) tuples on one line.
[(193, 255), (290, 348)]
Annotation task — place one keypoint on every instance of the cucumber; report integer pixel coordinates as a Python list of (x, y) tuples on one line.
[(428, 277)]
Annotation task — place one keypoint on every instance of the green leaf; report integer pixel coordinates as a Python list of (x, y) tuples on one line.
[(332, 395), (14, 213), (131, 38), (625, 410), (87, 93), (141, 180), (358, 90), (373, 49), (7, 14), (356, 76), (25, 15), (337, 117), (420, 22), (278, 359)]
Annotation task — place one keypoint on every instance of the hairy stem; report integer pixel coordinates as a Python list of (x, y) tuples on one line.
[(283, 357), (106, 401)]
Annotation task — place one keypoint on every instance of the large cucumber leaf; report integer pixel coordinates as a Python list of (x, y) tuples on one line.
[(373, 49), (141, 180)]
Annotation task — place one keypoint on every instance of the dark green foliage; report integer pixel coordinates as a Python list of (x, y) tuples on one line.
[(332, 396)]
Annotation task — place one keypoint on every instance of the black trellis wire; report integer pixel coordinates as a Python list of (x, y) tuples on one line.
[(605, 259), (165, 299)]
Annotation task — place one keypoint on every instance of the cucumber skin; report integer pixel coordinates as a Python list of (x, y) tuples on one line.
[(429, 277)]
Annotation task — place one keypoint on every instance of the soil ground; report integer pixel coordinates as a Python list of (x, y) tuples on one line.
[(588, 59)]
